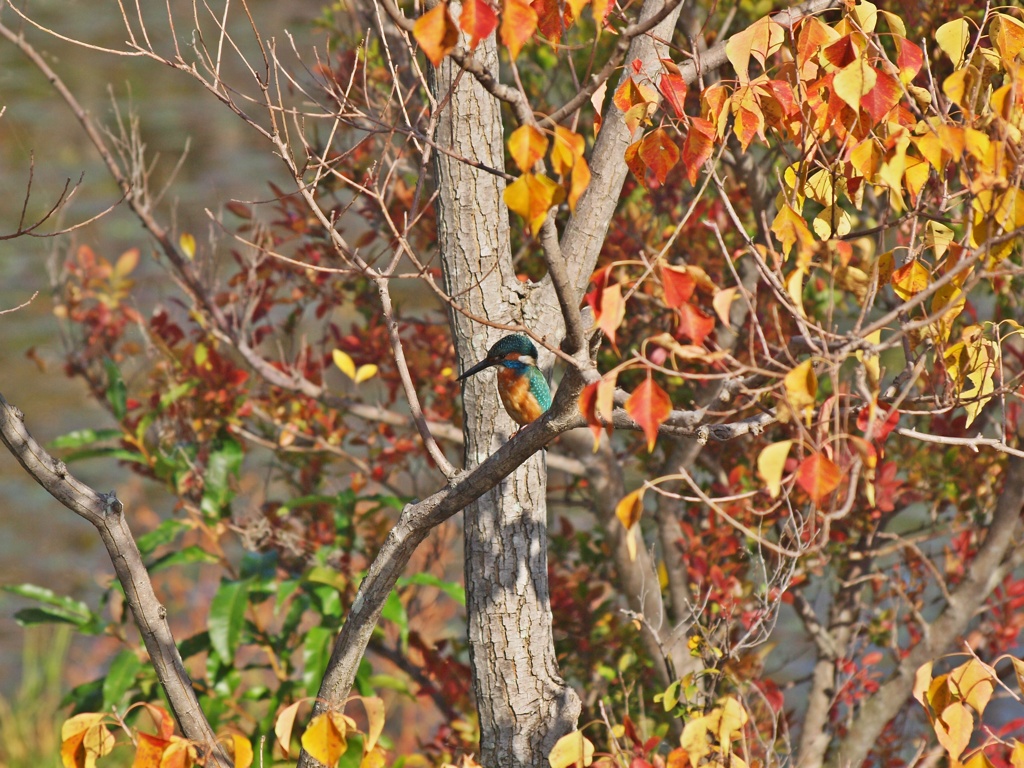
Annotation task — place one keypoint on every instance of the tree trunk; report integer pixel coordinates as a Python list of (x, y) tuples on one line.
[(524, 705)]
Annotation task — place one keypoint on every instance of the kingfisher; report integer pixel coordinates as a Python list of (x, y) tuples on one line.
[(522, 387)]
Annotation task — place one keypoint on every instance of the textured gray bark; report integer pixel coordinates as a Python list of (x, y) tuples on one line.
[(524, 705)]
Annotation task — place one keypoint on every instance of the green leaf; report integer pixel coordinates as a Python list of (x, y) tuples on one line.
[(28, 617), (121, 454), (394, 611), (75, 610), (117, 392), (316, 652), (82, 437), (190, 554), (227, 617), (454, 590), (177, 392), (165, 533), (120, 678), (192, 646), (225, 462)]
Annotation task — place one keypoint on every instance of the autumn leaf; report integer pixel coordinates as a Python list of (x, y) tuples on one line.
[(770, 464), (284, 724), (84, 738), (760, 40), (580, 182), (791, 229), (187, 243), (953, 728), (635, 100), (527, 145), (149, 751), (854, 81), (673, 88), (801, 385), (532, 196), (596, 403), (974, 682), (478, 20), (659, 153), (567, 149), (694, 324), (678, 285), (698, 147), (818, 476), (649, 406), (518, 23), (910, 279), (573, 749), (240, 750), (953, 37), (325, 739), (348, 367), (630, 508), (436, 33)]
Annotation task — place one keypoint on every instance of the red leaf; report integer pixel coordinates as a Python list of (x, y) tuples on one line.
[(673, 88), (886, 419), (841, 52), (880, 100), (910, 59), (694, 324), (818, 476), (699, 144), (678, 284), (549, 19), (436, 33), (478, 20), (649, 406)]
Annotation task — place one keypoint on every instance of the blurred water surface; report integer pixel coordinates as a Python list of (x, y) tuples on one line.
[(43, 543)]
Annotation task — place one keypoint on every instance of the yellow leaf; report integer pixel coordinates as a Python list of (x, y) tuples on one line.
[(241, 750), (324, 739), (527, 145), (795, 289), (283, 726), (760, 40), (84, 738), (910, 279), (866, 157), (865, 14), (374, 759), (854, 81), (732, 719), (974, 682), (187, 243), (722, 302), (833, 221), (790, 228), (801, 385), (532, 196), (954, 728), (979, 760), (374, 706), (630, 508), (770, 464), (580, 182), (437, 33), (1017, 754), (573, 749), (566, 150), (365, 372), (695, 738), (344, 363), (952, 38), (922, 682)]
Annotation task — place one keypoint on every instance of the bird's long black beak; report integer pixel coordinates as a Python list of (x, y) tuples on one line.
[(485, 363)]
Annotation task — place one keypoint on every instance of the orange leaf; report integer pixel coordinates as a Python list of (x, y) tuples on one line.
[(567, 149), (885, 95), (649, 406), (659, 153), (550, 18), (518, 23), (698, 146), (149, 751), (634, 100), (478, 20), (694, 323), (910, 279), (527, 145), (613, 311), (818, 476), (283, 726), (759, 40), (678, 285), (436, 33), (180, 753), (580, 182), (673, 88), (910, 59)]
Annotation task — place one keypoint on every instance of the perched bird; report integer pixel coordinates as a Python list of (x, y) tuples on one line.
[(522, 387)]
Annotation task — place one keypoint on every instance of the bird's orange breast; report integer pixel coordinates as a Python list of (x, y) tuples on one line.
[(514, 390)]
